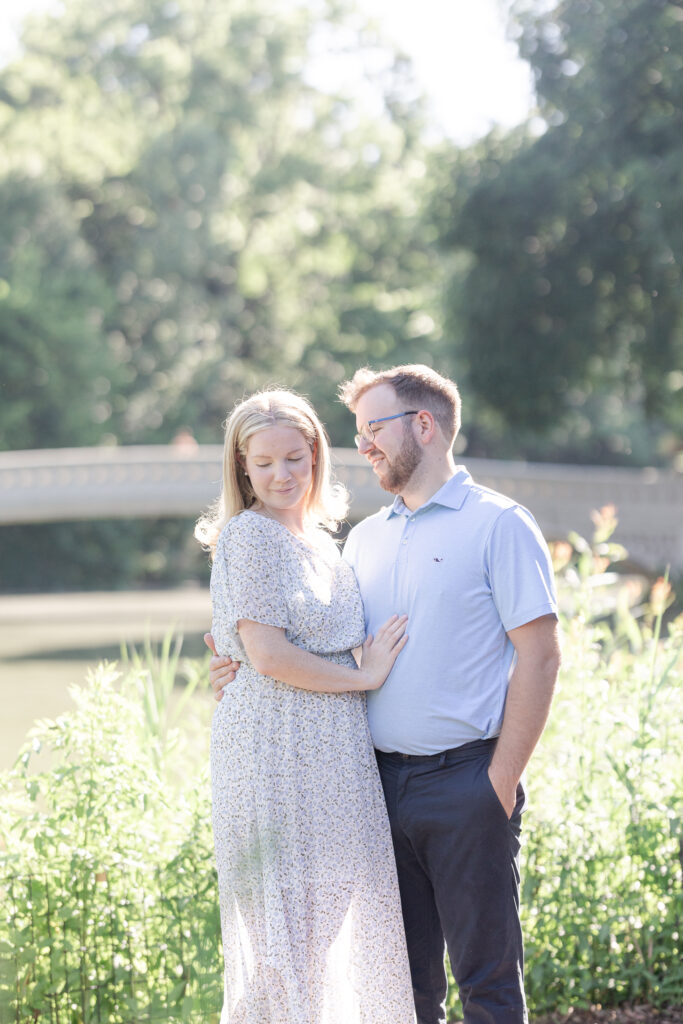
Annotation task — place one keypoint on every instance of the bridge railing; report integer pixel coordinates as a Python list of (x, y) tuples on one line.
[(48, 485)]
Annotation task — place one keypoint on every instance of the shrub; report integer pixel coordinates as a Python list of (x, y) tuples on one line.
[(107, 861), (602, 881)]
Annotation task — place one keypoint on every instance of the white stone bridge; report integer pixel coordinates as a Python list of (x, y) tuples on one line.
[(46, 485)]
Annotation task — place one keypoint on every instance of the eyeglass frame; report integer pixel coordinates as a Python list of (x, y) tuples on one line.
[(360, 436)]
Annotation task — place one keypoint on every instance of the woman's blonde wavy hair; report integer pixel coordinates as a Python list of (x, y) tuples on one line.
[(326, 502)]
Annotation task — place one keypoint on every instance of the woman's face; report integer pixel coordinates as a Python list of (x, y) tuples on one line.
[(279, 463)]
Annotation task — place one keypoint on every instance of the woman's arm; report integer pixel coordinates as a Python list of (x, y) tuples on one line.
[(271, 654)]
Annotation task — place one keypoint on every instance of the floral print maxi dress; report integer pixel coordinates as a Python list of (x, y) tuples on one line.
[(310, 912)]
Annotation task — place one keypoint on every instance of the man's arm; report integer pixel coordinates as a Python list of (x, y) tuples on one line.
[(528, 702)]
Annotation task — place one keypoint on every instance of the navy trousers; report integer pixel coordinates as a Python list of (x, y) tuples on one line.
[(457, 857)]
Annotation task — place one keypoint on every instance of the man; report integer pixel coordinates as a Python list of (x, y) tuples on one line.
[(463, 708)]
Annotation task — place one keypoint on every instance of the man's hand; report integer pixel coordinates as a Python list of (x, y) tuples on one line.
[(222, 670), (526, 707), (505, 789)]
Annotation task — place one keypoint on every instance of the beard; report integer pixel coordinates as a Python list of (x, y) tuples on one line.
[(400, 470)]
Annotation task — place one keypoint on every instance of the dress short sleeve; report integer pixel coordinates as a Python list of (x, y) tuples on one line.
[(246, 580)]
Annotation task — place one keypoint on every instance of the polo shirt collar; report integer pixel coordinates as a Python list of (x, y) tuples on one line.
[(451, 495)]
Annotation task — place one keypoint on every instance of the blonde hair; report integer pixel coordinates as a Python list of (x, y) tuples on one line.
[(326, 502), (418, 385)]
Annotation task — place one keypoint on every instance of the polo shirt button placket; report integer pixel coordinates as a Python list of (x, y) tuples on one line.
[(406, 529)]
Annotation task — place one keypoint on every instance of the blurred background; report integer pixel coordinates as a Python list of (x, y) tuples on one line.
[(200, 198)]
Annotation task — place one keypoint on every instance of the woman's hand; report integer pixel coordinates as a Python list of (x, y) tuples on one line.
[(381, 651)]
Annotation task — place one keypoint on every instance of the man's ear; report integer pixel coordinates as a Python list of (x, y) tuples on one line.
[(426, 425)]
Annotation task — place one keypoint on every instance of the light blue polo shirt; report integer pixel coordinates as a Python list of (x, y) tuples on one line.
[(466, 567)]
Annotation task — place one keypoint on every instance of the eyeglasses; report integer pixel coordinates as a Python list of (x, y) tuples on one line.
[(367, 434)]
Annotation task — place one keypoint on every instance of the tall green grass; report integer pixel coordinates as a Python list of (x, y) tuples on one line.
[(603, 857), (110, 910)]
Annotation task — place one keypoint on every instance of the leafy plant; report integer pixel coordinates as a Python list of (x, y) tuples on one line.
[(107, 861), (603, 892)]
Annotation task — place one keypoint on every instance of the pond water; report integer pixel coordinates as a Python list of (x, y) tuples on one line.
[(48, 642)]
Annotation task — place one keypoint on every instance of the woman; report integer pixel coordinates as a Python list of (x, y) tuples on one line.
[(310, 913)]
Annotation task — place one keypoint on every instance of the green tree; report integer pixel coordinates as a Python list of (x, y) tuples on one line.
[(189, 216), (248, 226), (55, 368), (570, 303)]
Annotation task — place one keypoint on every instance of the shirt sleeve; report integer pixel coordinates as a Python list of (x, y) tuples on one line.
[(519, 569), (248, 571)]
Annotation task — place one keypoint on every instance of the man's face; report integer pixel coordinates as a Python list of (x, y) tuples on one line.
[(394, 454)]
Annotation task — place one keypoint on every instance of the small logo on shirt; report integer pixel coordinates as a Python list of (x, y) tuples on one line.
[(438, 559)]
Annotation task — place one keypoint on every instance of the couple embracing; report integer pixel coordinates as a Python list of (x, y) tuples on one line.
[(371, 734)]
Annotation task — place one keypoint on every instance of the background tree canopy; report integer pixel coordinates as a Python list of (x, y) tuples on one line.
[(199, 218), (185, 216), (570, 311)]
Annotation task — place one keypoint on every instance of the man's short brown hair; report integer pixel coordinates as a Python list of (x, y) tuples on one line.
[(419, 386)]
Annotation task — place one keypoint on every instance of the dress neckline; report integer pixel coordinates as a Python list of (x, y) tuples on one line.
[(315, 548)]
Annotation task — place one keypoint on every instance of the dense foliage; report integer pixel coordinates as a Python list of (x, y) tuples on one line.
[(103, 554), (603, 870), (570, 307), (186, 216), (190, 209), (106, 847), (109, 906)]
